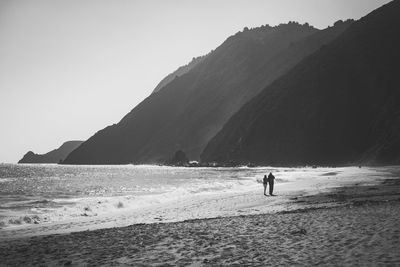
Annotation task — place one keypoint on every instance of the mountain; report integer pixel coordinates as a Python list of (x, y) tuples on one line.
[(54, 156), (179, 72), (193, 107), (340, 105)]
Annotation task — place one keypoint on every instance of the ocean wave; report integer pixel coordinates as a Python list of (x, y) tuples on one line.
[(61, 209), (91, 191), (20, 220), (19, 204), (5, 180), (330, 174)]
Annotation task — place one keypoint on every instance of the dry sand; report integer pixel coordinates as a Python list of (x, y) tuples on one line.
[(353, 225)]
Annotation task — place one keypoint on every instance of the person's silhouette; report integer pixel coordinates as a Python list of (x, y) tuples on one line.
[(265, 183), (271, 179)]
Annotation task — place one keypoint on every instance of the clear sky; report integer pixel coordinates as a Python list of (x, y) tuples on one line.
[(70, 68)]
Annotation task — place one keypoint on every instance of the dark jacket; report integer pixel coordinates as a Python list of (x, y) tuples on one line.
[(271, 178)]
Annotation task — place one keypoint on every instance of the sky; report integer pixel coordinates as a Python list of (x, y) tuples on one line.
[(70, 68)]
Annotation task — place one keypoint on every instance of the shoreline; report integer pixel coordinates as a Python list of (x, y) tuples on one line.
[(246, 201), (349, 225)]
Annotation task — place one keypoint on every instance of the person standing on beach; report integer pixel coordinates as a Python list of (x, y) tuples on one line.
[(271, 179), (265, 182)]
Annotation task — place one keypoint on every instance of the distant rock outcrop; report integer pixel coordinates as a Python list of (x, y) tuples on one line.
[(190, 109), (340, 105), (179, 159), (54, 156)]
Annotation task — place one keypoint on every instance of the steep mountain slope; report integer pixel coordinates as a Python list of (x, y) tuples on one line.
[(179, 72), (192, 108), (54, 156), (340, 105)]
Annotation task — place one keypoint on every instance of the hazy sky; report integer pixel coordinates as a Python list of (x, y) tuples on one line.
[(70, 68)]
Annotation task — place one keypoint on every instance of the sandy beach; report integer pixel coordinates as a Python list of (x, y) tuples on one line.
[(350, 225)]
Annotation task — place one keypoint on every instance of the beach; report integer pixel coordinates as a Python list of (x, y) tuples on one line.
[(354, 224), (33, 205)]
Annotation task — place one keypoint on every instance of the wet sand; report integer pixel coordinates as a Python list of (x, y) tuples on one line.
[(353, 225)]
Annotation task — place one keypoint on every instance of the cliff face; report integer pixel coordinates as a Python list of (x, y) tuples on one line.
[(54, 156), (340, 105), (193, 107)]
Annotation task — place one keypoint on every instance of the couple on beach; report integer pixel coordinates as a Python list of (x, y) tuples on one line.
[(269, 180)]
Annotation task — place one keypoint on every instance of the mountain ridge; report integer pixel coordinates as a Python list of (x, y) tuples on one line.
[(178, 72), (192, 108), (327, 109)]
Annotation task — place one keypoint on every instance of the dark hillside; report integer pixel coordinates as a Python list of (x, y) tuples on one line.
[(340, 105)]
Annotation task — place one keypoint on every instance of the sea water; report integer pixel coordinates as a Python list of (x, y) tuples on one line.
[(36, 194), (32, 195)]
